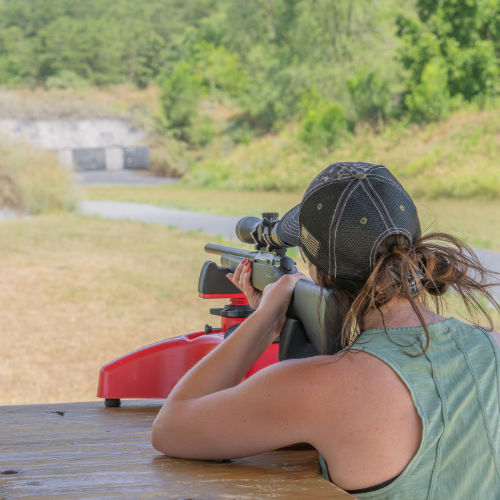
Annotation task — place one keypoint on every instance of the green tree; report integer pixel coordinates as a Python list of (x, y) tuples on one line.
[(219, 69), (149, 59), (429, 99), (323, 122), (370, 95), (16, 56), (180, 95), (459, 36)]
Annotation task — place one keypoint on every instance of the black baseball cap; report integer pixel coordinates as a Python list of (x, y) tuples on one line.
[(345, 214)]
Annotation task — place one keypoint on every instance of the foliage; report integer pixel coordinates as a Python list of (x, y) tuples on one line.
[(261, 55), (454, 42), (370, 95), (368, 63), (323, 122), (65, 79), (180, 95), (429, 99), (167, 157), (148, 59), (219, 69)]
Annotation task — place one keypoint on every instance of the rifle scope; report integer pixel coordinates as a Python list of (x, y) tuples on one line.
[(261, 231)]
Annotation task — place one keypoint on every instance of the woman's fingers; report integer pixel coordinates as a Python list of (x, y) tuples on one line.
[(237, 272), (246, 277), (253, 295), (235, 277), (242, 278)]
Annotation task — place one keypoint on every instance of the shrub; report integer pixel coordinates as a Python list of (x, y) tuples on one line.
[(429, 99), (167, 157), (66, 79), (323, 125), (370, 95), (180, 95), (202, 132), (454, 42)]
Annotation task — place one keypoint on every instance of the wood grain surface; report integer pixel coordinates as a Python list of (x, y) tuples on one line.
[(84, 450)]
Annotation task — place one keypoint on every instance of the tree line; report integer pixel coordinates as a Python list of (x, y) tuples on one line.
[(326, 64)]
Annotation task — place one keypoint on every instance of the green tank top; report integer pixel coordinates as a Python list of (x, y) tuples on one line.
[(455, 387)]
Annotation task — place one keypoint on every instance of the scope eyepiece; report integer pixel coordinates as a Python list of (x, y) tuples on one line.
[(260, 231)]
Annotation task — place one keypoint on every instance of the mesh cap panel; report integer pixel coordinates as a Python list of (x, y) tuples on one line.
[(345, 214)]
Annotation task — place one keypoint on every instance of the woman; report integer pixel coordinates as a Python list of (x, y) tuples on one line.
[(410, 408)]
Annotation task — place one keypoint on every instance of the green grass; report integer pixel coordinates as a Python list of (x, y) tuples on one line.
[(473, 220)]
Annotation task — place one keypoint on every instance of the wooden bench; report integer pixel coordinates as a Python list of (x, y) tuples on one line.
[(84, 450)]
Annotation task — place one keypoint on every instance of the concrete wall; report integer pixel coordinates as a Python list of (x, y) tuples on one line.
[(97, 144)]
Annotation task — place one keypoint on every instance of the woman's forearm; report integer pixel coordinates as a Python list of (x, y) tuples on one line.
[(228, 363), (210, 384)]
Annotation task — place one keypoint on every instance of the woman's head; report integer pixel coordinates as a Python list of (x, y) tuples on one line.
[(359, 229), (346, 213)]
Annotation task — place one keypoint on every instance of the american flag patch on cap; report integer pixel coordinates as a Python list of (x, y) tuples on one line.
[(310, 243)]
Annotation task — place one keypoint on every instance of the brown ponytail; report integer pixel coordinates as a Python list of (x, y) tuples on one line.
[(426, 270)]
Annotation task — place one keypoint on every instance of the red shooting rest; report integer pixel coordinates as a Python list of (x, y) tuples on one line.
[(153, 371)]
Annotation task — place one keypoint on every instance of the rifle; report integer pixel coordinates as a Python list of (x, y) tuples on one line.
[(152, 371), (309, 315)]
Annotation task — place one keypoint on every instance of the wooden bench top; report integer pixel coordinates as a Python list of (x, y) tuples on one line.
[(84, 450)]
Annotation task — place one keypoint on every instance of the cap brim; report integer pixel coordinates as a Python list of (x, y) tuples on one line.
[(288, 229)]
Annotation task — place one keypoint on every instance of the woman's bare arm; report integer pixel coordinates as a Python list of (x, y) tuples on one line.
[(206, 394)]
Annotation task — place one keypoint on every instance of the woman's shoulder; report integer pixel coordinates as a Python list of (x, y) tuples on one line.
[(351, 378), (359, 403)]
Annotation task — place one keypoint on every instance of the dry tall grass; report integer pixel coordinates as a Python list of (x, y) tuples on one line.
[(119, 101), (456, 158), (33, 181)]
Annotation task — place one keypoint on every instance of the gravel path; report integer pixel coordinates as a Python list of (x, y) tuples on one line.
[(183, 219), (125, 177)]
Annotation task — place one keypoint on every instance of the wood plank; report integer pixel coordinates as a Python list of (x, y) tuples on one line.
[(84, 450)]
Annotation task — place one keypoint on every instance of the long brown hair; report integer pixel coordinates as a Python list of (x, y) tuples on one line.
[(424, 271)]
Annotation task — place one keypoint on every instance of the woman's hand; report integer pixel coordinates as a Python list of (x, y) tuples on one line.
[(242, 278), (276, 298)]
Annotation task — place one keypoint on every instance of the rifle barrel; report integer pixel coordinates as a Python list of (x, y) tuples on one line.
[(220, 249)]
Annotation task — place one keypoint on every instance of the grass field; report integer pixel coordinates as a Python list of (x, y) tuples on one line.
[(474, 220), (78, 292)]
